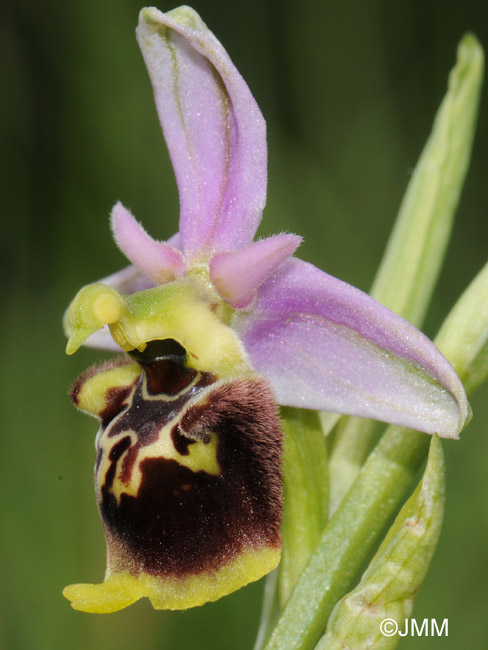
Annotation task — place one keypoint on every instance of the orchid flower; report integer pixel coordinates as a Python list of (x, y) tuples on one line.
[(218, 329)]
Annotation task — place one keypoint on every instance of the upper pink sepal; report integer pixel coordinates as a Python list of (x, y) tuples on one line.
[(157, 260), (237, 275), (215, 132)]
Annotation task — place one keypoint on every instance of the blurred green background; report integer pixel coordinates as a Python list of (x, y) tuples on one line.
[(349, 91)]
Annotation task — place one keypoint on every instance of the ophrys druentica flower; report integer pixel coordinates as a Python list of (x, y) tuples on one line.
[(218, 328)]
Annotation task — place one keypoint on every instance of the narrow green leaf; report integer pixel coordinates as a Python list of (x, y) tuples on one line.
[(464, 335), (416, 249), (389, 585), (478, 370), (417, 245)]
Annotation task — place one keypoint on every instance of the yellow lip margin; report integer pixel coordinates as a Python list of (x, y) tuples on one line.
[(121, 589)]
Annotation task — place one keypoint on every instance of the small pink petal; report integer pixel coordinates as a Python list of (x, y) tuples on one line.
[(237, 275), (157, 260)]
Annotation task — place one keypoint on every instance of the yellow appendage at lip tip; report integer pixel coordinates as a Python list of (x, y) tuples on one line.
[(121, 589)]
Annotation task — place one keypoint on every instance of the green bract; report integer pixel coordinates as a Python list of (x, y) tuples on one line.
[(389, 585)]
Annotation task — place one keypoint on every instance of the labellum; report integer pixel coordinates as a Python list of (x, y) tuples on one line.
[(187, 478)]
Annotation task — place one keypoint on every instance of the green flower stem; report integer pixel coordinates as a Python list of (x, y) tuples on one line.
[(417, 246), (376, 493), (389, 585), (354, 439)]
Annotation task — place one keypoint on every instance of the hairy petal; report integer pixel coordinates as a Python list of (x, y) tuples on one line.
[(157, 260), (214, 130), (326, 345), (237, 275)]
